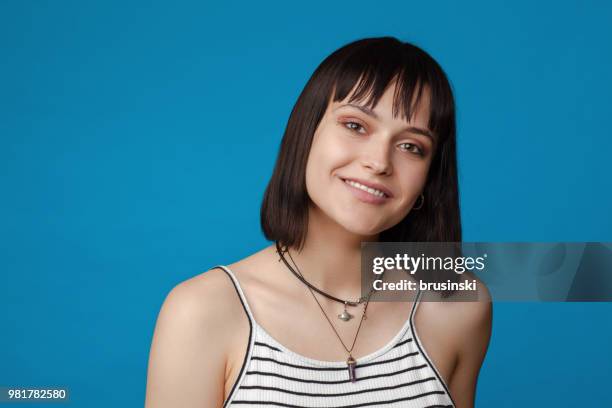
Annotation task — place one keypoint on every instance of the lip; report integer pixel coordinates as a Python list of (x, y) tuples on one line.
[(364, 196), (370, 184)]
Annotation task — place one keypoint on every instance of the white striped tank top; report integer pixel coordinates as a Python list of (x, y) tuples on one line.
[(398, 375)]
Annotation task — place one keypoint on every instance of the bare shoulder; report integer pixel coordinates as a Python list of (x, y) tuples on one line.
[(191, 342), (467, 314), (208, 301), (471, 331), (461, 326), (463, 307), (212, 289), (248, 272), (469, 310)]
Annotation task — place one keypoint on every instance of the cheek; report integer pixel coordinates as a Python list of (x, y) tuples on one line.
[(326, 155), (412, 178)]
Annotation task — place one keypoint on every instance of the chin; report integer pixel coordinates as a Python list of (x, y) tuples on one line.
[(361, 224), (362, 229)]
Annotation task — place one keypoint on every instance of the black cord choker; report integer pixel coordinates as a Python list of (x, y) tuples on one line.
[(280, 250)]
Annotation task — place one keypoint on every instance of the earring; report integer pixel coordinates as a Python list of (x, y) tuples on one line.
[(422, 197)]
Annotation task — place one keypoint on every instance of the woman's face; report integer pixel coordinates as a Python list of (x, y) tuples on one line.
[(366, 169)]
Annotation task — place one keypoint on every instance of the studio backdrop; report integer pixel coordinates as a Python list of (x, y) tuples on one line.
[(137, 138)]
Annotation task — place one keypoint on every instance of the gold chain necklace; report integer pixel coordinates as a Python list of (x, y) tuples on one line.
[(350, 361)]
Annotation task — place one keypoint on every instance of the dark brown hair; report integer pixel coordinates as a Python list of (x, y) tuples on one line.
[(371, 64)]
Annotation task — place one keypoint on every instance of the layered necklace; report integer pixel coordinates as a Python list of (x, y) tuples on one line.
[(344, 316)]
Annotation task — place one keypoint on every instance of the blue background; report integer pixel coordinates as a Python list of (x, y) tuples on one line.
[(136, 139)]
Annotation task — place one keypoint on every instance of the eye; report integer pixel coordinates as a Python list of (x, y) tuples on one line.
[(354, 126), (412, 148)]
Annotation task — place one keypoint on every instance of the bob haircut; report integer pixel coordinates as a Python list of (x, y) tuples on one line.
[(371, 64)]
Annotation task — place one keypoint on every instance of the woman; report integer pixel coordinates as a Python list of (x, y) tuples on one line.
[(368, 155)]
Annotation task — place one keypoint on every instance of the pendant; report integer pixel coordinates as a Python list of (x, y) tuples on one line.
[(345, 316), (350, 362)]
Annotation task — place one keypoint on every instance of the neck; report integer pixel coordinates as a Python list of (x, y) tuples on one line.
[(331, 257)]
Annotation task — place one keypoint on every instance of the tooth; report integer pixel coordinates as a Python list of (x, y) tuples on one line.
[(372, 191)]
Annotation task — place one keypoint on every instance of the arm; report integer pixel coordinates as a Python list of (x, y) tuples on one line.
[(188, 356), (473, 341)]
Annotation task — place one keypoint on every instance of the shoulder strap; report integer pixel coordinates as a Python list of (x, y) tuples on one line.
[(417, 299), (422, 350), (239, 291), (247, 356)]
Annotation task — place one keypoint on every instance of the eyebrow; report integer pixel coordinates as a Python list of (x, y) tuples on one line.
[(373, 114)]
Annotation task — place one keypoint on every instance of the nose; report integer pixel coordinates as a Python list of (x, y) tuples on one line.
[(376, 159)]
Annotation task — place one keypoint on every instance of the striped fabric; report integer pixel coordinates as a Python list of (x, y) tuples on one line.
[(398, 375)]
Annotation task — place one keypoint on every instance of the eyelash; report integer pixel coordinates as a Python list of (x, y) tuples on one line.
[(419, 151), (354, 123)]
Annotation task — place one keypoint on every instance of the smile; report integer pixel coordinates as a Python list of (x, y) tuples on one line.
[(377, 196), (373, 191)]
